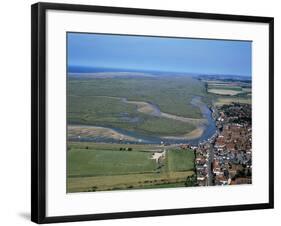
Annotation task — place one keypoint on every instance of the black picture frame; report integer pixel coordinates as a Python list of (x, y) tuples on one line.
[(38, 111)]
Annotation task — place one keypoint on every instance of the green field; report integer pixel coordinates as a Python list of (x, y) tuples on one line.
[(100, 162), (179, 160), (93, 167)]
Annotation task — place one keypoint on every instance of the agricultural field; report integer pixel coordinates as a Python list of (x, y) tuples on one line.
[(228, 100), (228, 88), (220, 91), (229, 91), (94, 167), (176, 160)]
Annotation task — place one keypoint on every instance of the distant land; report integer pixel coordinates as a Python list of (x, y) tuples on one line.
[(120, 74), (75, 71)]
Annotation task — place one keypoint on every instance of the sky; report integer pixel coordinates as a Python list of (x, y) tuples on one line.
[(181, 55)]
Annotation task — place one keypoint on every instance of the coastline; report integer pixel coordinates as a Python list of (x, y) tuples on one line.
[(97, 131)]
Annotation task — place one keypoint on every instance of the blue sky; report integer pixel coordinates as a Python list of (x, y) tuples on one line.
[(183, 55)]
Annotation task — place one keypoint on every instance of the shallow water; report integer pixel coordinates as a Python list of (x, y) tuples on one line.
[(209, 128)]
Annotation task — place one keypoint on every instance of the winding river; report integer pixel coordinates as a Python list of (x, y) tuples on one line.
[(206, 125)]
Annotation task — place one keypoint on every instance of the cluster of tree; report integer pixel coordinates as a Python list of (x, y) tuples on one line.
[(191, 181), (243, 173), (125, 149)]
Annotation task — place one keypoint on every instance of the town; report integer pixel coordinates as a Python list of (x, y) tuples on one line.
[(226, 158)]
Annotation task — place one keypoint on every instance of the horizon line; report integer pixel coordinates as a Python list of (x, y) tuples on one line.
[(109, 69)]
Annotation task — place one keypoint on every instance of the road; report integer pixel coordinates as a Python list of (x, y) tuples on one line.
[(209, 167)]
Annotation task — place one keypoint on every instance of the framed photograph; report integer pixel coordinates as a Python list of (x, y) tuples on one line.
[(141, 112)]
